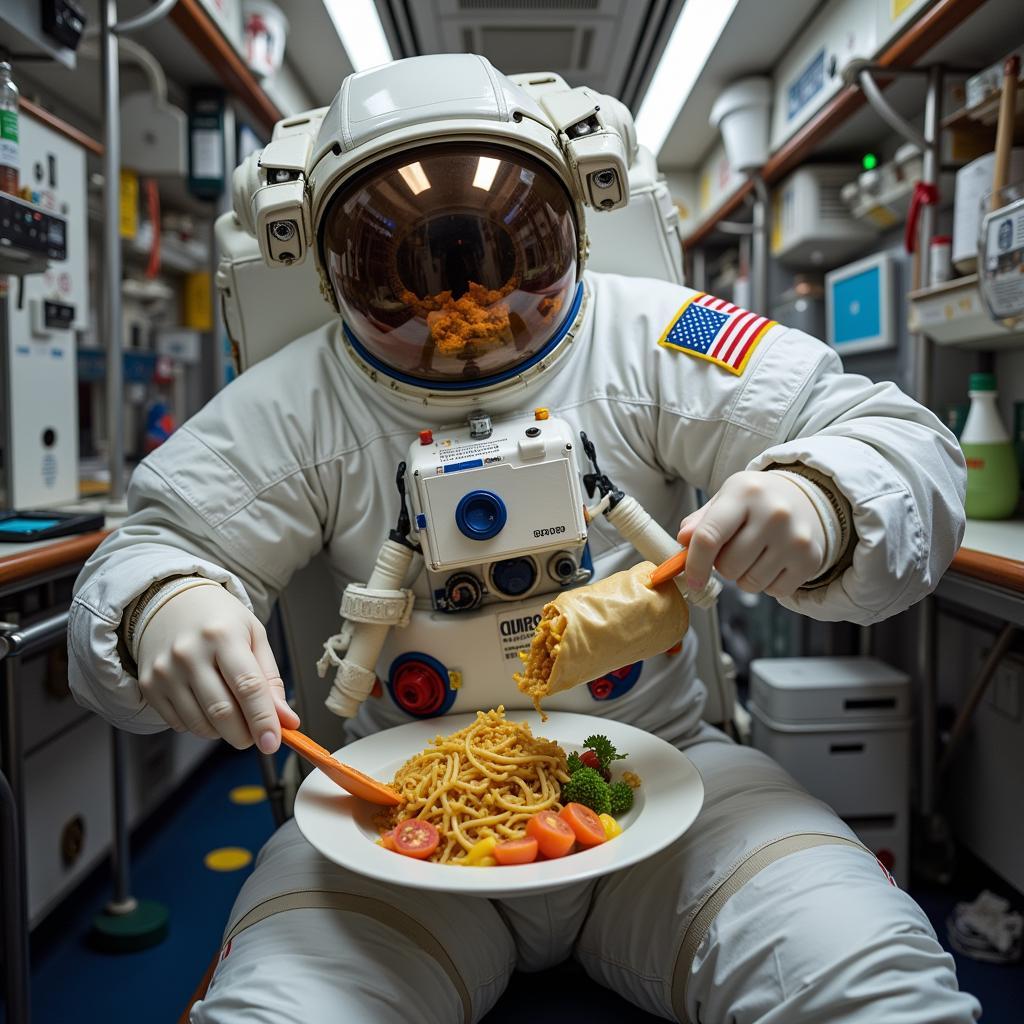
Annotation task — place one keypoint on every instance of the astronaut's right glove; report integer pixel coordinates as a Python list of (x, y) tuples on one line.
[(764, 530), (205, 665)]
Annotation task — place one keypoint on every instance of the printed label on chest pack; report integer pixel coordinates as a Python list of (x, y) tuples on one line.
[(515, 633), (459, 453)]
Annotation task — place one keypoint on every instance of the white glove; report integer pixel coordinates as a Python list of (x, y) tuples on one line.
[(760, 530), (206, 667)]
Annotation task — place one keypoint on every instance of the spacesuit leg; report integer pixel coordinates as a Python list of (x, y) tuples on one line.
[(309, 941), (767, 910)]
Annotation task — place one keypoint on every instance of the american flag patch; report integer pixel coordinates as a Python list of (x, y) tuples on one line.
[(716, 330)]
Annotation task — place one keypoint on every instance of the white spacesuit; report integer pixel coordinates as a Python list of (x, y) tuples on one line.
[(442, 203)]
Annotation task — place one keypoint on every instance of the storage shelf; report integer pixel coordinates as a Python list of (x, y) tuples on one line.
[(984, 114), (930, 29), (206, 37), (954, 313)]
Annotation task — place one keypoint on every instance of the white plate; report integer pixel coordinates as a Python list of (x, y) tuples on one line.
[(342, 827)]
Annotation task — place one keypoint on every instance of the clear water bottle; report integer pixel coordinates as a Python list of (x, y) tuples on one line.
[(9, 161)]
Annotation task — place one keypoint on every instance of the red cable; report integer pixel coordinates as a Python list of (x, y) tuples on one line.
[(924, 195)]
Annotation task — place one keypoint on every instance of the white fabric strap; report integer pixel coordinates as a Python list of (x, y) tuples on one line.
[(360, 603), (826, 513), (141, 612)]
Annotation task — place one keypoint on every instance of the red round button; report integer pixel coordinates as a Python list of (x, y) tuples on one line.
[(419, 689)]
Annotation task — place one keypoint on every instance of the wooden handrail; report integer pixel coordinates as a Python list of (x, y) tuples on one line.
[(1001, 572), (59, 125), (202, 32), (33, 561)]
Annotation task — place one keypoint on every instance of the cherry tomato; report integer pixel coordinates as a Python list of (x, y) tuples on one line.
[(585, 824), (416, 838), (591, 760), (554, 837), (516, 851)]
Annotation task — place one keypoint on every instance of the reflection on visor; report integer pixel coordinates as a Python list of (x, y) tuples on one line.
[(454, 265)]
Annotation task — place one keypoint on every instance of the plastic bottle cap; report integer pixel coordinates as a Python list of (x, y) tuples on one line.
[(982, 382), (540, 414)]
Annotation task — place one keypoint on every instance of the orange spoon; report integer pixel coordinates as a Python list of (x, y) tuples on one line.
[(344, 775), (669, 569)]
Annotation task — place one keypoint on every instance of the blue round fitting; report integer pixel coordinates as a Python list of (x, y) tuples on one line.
[(513, 577), (481, 515)]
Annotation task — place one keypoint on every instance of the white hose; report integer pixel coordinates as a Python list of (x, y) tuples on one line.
[(656, 544)]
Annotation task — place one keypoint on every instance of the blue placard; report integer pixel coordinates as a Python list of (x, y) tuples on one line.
[(807, 86), (857, 307)]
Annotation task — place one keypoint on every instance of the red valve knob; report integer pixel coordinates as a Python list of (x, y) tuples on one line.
[(426, 437), (419, 689)]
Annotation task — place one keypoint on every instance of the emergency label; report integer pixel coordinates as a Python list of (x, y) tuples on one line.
[(515, 632)]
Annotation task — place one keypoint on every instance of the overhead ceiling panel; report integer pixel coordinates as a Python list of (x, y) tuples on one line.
[(605, 44), (756, 36)]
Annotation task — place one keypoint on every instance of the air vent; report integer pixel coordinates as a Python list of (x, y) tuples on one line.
[(512, 50), (529, 5)]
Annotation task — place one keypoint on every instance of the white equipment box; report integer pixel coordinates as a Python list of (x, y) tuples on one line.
[(41, 371), (841, 728), (811, 225)]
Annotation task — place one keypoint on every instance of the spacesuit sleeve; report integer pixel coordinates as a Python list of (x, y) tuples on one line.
[(900, 469), (235, 495)]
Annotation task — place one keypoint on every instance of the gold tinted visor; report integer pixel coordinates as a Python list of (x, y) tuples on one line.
[(452, 264)]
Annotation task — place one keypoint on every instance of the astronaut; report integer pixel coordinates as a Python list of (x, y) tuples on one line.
[(443, 206)]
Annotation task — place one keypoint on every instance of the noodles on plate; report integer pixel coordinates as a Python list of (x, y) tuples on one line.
[(483, 781)]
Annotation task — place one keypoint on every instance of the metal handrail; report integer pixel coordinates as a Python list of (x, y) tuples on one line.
[(19, 640), (16, 640)]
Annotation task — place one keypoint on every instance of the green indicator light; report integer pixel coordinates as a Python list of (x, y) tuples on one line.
[(869, 161)]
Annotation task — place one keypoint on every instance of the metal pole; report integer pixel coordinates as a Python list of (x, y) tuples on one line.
[(930, 176), (122, 902), (759, 250), (111, 320), (12, 861)]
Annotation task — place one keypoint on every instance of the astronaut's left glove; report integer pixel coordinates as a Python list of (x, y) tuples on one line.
[(770, 531)]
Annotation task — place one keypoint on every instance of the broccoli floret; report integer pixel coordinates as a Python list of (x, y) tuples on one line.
[(620, 796), (574, 763), (588, 788), (604, 748)]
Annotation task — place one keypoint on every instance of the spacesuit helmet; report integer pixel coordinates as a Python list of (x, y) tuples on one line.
[(443, 203), (454, 263)]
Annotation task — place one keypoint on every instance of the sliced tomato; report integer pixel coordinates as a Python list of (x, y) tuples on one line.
[(591, 760), (416, 838), (387, 840), (585, 824), (517, 851), (554, 837)]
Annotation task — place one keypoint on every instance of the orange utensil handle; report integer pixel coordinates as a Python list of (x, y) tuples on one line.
[(302, 744), (669, 569)]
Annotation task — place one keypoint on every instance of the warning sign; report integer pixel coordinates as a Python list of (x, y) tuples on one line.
[(515, 632)]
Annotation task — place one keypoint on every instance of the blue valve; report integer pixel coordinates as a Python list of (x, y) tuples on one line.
[(481, 515)]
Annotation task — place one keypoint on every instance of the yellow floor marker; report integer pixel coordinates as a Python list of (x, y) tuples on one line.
[(247, 795), (228, 858)]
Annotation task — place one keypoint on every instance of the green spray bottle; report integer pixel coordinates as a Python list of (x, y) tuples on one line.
[(993, 481)]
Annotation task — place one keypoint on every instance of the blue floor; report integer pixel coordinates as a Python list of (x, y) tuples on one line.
[(73, 983)]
